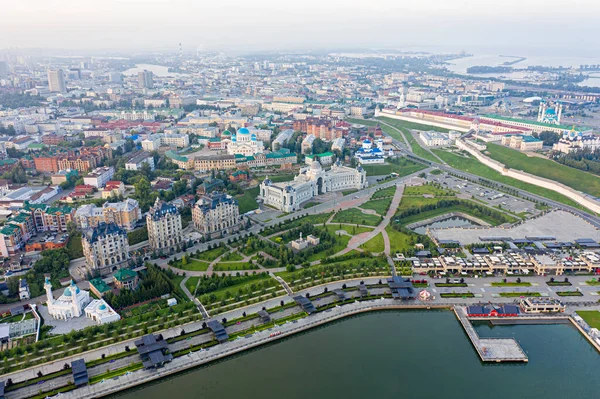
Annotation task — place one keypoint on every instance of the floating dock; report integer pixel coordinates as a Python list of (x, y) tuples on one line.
[(491, 349)]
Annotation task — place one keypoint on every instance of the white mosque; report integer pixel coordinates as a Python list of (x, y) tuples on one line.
[(74, 302), (310, 182), (244, 143)]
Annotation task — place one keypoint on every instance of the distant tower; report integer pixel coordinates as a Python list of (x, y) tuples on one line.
[(56, 81), (180, 51), (541, 111), (559, 108), (145, 80)]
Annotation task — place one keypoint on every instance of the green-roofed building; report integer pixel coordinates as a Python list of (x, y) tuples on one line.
[(99, 287), (126, 279), (325, 158), (532, 125)]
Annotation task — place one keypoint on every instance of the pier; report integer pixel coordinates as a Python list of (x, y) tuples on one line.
[(491, 349)]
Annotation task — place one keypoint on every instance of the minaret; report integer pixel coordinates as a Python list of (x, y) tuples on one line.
[(76, 304), (559, 108), (48, 288)]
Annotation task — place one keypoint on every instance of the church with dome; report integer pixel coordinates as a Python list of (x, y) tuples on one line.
[(243, 143), (310, 182), (75, 302)]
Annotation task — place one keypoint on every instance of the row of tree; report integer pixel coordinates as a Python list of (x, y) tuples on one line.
[(154, 283), (584, 159)]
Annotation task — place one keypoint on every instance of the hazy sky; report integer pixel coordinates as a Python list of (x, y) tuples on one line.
[(536, 25)]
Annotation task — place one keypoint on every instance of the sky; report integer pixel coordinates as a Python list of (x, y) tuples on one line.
[(453, 25)]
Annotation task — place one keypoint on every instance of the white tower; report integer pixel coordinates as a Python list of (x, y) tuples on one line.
[(48, 288), (559, 108)]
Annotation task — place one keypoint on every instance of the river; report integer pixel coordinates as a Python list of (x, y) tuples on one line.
[(157, 70), (413, 354)]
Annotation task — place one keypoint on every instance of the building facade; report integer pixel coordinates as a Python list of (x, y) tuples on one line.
[(105, 248), (216, 215), (164, 226), (312, 181), (124, 214)]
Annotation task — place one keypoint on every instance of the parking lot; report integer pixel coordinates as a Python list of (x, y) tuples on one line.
[(489, 196)]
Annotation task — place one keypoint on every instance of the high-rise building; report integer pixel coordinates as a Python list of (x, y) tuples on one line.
[(3, 69), (145, 80), (106, 248), (216, 215), (164, 226), (56, 81)]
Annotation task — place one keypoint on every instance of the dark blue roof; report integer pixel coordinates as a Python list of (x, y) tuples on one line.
[(102, 230), (162, 208)]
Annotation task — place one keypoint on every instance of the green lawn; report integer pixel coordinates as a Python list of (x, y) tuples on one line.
[(228, 266), (379, 205), (405, 168), (471, 165), (355, 216), (192, 265), (428, 189), (457, 295), (232, 256), (247, 202), (231, 291), (457, 208), (592, 317), (191, 284), (350, 229), (375, 244), (412, 125), (399, 241), (575, 178), (211, 254), (386, 192)]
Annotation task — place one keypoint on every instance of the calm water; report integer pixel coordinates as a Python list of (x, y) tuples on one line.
[(456, 221), (395, 354)]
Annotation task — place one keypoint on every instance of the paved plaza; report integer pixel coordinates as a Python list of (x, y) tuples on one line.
[(561, 225)]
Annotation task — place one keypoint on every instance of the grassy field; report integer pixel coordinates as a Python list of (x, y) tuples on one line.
[(375, 244), (592, 317), (519, 294), (405, 168), (428, 189), (211, 254), (353, 230), (471, 165), (231, 291), (192, 265), (513, 284), (232, 257), (229, 266), (412, 125), (575, 178), (355, 216), (191, 284), (456, 208), (378, 205), (386, 192), (399, 241), (247, 202)]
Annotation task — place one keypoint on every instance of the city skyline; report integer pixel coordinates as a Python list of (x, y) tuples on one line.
[(159, 25)]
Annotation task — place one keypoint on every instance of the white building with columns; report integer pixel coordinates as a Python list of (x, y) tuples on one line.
[(310, 182)]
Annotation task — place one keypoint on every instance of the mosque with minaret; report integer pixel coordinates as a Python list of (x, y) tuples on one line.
[(75, 302)]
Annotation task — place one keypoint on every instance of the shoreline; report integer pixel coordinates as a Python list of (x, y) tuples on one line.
[(188, 362)]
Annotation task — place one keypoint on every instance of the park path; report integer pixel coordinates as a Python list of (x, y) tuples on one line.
[(185, 288), (360, 239)]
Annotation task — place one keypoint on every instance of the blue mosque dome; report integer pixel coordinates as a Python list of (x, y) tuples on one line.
[(67, 292), (253, 137), (367, 141), (102, 307), (233, 138), (243, 130)]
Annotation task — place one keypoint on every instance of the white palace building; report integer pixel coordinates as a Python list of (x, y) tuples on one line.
[(310, 182)]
